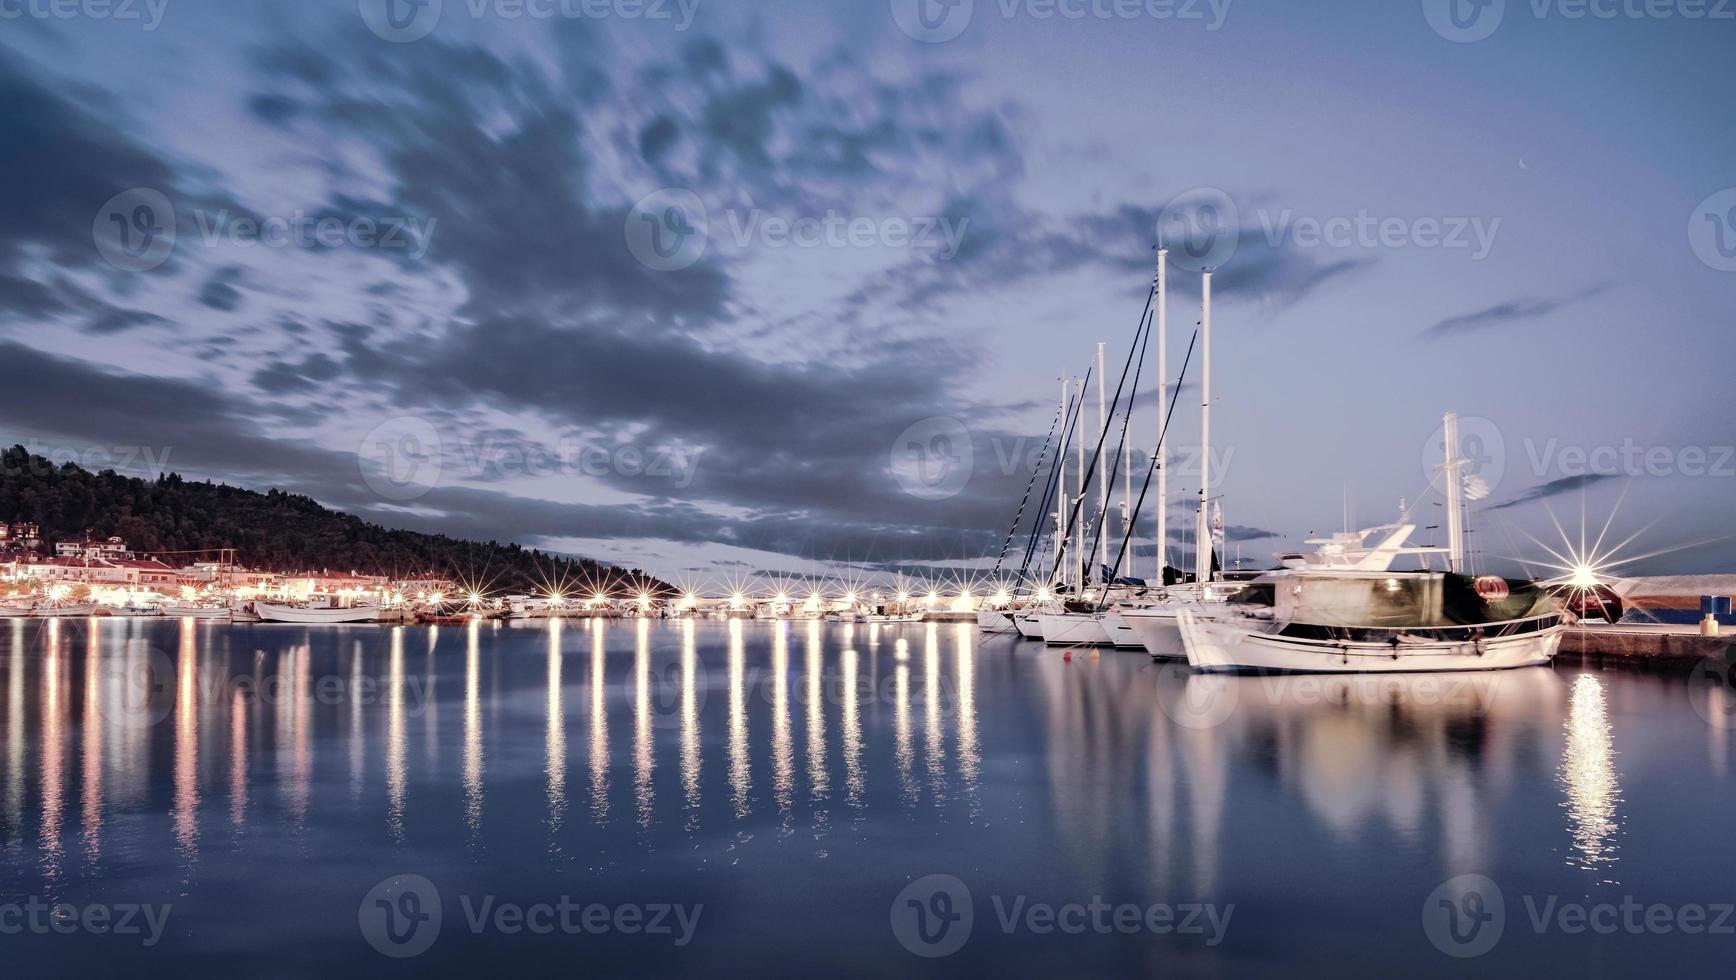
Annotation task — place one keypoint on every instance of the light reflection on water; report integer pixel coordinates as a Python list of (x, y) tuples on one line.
[(920, 749), (1588, 769)]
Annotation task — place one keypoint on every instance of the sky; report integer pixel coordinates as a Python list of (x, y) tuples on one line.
[(730, 289)]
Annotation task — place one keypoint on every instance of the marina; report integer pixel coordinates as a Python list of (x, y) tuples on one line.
[(867, 489)]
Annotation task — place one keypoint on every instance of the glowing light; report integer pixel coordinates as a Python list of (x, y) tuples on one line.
[(437, 598), (557, 600), (903, 597), (1003, 597), (964, 602), (644, 600), (1044, 595), (689, 600), (1583, 577), (474, 599), (933, 597), (738, 601), (599, 599), (850, 597)]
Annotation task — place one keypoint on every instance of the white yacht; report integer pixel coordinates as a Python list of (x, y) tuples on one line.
[(1347, 611), (319, 609), (1363, 622)]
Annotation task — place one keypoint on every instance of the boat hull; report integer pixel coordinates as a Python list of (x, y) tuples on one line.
[(1073, 629), (1120, 631), (1158, 631), (295, 614), (196, 612), (63, 612), (995, 621), (1029, 624), (1229, 647)]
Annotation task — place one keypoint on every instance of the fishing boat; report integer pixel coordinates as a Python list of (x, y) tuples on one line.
[(212, 613), (1346, 611), (320, 609), (1367, 622), (58, 611)]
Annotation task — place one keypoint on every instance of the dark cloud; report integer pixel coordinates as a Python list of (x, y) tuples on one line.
[(1555, 488), (219, 292), (1512, 311)]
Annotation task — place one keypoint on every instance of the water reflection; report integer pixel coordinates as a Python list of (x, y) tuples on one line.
[(53, 720), (397, 738), (854, 780), (935, 739), (783, 758), (644, 756), (187, 747), (818, 780), (91, 718), (690, 757), (1588, 770), (473, 730), (969, 756), (15, 734), (555, 737), (599, 761), (739, 778), (1098, 764)]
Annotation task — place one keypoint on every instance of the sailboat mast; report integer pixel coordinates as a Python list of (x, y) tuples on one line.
[(1455, 494), (1162, 400), (1079, 526), (1061, 477), (1102, 466), (1202, 534)]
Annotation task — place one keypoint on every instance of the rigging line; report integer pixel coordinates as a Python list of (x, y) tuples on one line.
[(1085, 485), (1037, 470), (1054, 481), (1161, 436), (1126, 419)]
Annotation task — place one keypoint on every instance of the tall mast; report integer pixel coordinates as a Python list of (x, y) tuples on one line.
[(1202, 533), (1061, 478), (1162, 406), (1079, 526), (1102, 469), (1455, 494)]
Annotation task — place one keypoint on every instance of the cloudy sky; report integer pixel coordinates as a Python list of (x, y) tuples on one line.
[(680, 284)]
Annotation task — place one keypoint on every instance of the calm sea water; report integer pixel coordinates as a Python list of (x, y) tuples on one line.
[(760, 799)]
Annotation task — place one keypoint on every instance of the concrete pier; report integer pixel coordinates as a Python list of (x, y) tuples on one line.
[(1665, 646)]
